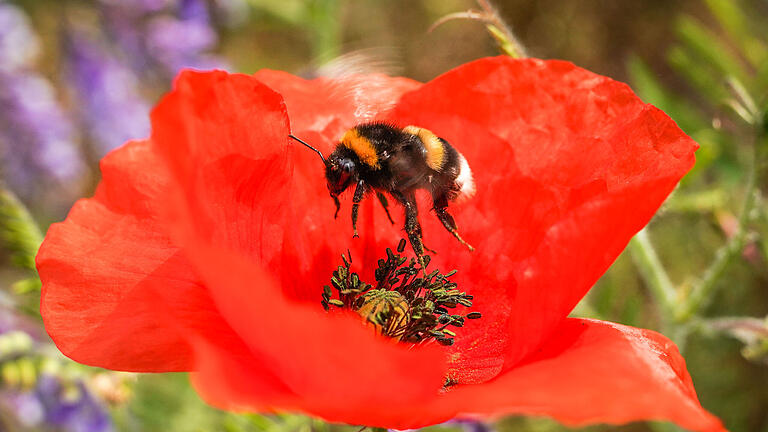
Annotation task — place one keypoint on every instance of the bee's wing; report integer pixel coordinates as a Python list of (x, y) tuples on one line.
[(351, 90), (361, 77), (379, 60)]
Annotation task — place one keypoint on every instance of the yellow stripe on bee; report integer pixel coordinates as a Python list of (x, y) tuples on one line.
[(433, 145), (362, 147)]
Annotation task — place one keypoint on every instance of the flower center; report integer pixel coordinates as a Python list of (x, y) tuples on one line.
[(407, 303)]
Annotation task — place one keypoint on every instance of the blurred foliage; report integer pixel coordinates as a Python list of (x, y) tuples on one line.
[(704, 62), (18, 230), (717, 92)]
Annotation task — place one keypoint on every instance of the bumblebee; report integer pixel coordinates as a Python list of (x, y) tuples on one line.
[(383, 158)]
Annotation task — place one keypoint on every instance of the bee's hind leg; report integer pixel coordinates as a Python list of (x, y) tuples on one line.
[(441, 210), (412, 226)]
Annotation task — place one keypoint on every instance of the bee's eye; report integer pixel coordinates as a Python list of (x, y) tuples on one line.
[(347, 165)]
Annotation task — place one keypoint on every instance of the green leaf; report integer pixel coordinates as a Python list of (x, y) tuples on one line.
[(709, 48), (26, 286), (18, 231), (701, 77), (730, 16)]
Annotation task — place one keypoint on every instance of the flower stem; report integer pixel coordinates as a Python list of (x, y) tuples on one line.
[(702, 292), (653, 272), (501, 32)]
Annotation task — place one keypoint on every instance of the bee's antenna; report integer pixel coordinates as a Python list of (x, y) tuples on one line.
[(316, 150)]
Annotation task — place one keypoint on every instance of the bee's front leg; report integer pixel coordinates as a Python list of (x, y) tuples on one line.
[(338, 205), (356, 198), (385, 204)]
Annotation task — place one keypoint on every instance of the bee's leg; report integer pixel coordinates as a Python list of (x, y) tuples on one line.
[(356, 198), (412, 226), (441, 210), (385, 204), (338, 205)]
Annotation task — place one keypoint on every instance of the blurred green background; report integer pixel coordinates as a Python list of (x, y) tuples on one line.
[(698, 273)]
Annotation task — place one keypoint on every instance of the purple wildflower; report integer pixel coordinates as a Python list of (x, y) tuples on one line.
[(26, 408), (35, 134), (473, 426), (37, 140), (108, 93), (162, 37), (18, 44), (51, 403), (181, 41), (466, 426), (67, 407), (77, 411), (147, 40)]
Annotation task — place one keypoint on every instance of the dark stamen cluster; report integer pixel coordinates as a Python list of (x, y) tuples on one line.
[(407, 303)]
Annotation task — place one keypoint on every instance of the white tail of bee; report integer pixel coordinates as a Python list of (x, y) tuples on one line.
[(464, 180)]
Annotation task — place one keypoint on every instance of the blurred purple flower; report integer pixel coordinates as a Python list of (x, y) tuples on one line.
[(18, 45), (35, 134), (149, 38), (37, 140), (26, 408), (473, 426), (73, 413), (108, 93), (181, 41), (164, 36), (51, 403), (66, 407), (466, 426)]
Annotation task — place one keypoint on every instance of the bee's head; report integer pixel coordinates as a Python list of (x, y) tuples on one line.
[(340, 171)]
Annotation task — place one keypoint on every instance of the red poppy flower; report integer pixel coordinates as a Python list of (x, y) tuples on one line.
[(205, 249)]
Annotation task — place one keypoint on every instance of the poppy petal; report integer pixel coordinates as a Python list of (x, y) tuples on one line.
[(116, 292), (229, 210), (333, 367), (568, 165), (594, 372)]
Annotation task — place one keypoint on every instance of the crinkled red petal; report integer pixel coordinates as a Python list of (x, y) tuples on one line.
[(330, 365), (233, 212), (589, 372), (116, 292), (568, 166), (593, 371)]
